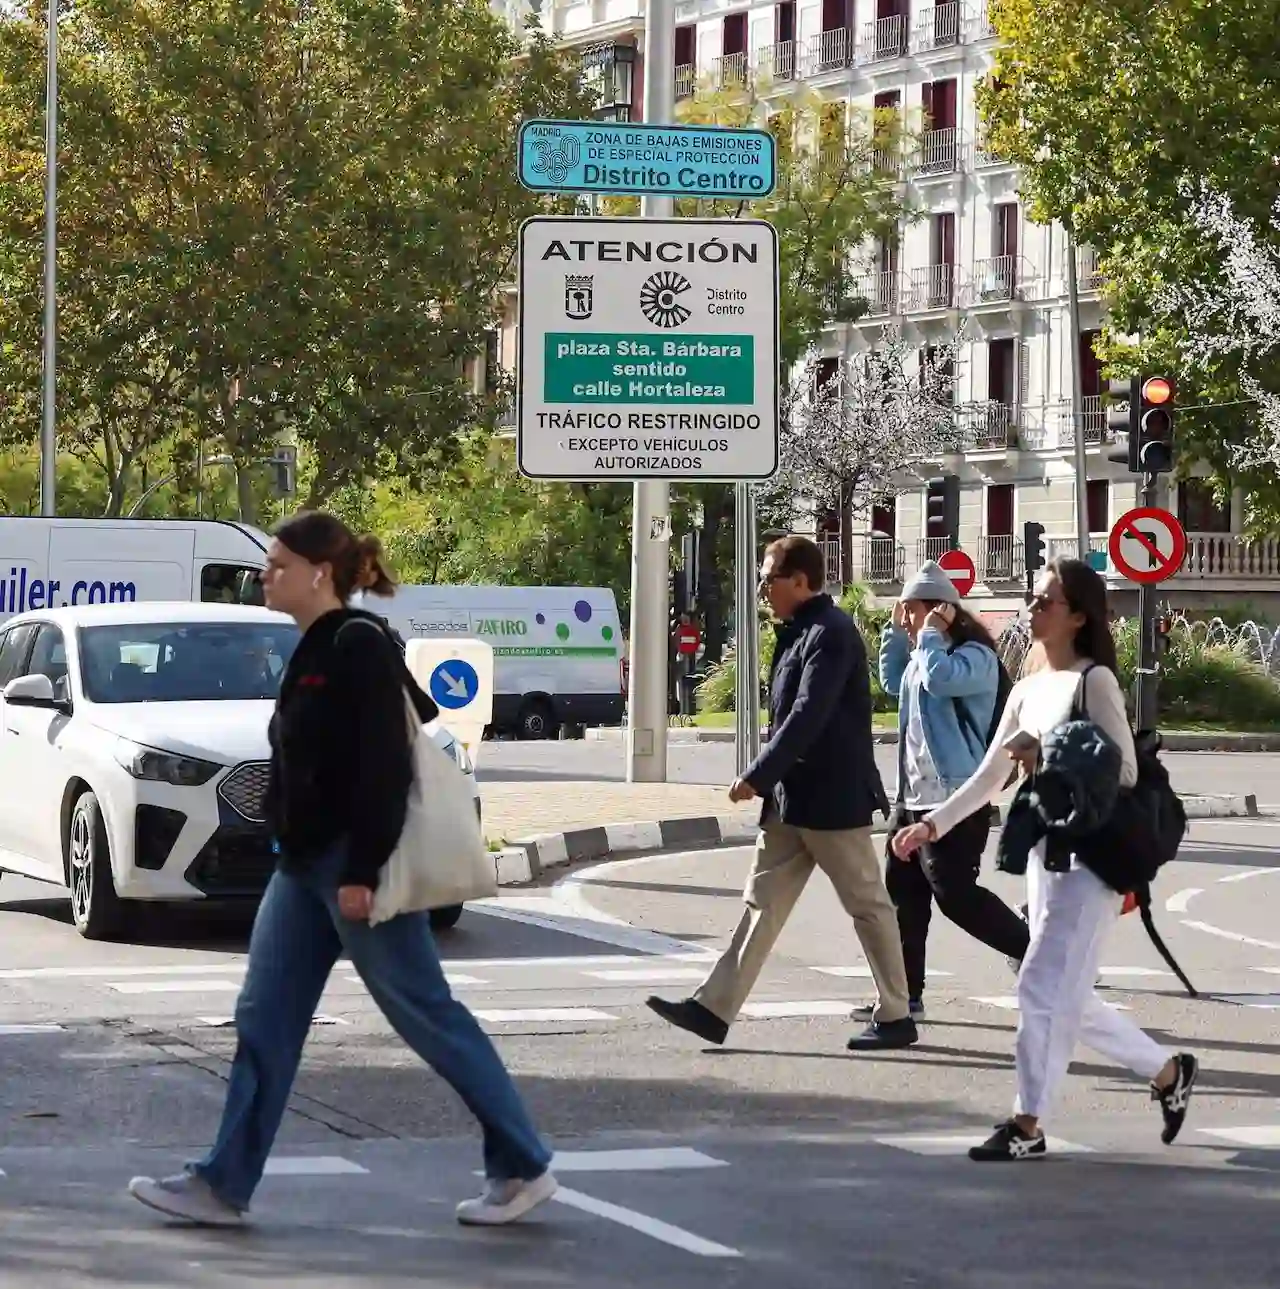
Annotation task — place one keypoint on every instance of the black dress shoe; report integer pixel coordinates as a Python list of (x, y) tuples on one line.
[(885, 1036), (693, 1016)]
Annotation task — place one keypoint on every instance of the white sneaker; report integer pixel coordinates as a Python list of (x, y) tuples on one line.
[(506, 1201), (187, 1197)]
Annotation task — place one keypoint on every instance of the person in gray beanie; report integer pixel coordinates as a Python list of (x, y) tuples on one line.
[(942, 663)]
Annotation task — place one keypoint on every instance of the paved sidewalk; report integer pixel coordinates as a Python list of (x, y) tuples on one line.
[(514, 811)]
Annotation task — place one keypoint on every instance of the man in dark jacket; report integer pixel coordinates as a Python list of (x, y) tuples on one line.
[(819, 785)]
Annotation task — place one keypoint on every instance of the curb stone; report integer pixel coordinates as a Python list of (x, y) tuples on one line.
[(1191, 741), (525, 861)]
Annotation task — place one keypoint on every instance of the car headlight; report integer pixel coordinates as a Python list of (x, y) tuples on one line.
[(164, 767)]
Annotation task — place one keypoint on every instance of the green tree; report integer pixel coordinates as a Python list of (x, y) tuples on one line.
[(275, 216), (1117, 110)]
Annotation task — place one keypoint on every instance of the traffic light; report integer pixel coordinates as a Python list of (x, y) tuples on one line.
[(1155, 431), (1123, 397), (284, 469), (1033, 546), (679, 594), (942, 509), (689, 553)]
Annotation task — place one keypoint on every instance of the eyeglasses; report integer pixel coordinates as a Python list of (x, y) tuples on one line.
[(1039, 603)]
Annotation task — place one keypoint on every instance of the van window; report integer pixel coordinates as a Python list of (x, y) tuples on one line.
[(13, 652), (230, 584)]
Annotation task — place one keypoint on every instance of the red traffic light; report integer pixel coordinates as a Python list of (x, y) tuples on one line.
[(1157, 390)]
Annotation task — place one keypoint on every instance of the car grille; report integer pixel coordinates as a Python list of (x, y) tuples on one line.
[(245, 790), (233, 862)]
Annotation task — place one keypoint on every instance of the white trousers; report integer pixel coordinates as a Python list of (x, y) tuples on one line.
[(1070, 914)]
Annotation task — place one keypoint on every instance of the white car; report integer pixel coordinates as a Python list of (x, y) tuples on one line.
[(134, 753)]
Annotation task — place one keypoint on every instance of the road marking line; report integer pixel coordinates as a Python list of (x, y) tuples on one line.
[(782, 1010), (1208, 929), (1263, 1002), (541, 1014), (640, 1160), (312, 1166), (1009, 1003), (172, 986), (650, 1226), (451, 979), (959, 1143), (106, 973), (222, 1022), (1244, 877), (580, 960), (1263, 1135), (1178, 901), (1132, 971), (862, 972), (1274, 971), (563, 915), (31, 1029), (651, 974)]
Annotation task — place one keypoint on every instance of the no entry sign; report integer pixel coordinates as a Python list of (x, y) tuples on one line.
[(1148, 544), (960, 569), (688, 638)]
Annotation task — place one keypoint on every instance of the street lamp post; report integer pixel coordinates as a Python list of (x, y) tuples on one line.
[(169, 478), (48, 423)]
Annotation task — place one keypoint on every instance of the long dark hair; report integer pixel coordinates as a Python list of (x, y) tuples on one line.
[(966, 629), (1085, 592)]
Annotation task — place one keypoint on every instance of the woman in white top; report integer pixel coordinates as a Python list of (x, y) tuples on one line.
[(1071, 911)]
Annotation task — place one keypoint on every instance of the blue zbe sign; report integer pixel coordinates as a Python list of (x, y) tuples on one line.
[(667, 160), (454, 684)]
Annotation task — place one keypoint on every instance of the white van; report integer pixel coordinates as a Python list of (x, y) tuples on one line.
[(557, 650), (52, 563)]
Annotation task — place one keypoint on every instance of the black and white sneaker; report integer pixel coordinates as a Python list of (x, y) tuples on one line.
[(1006, 1143), (1176, 1098)]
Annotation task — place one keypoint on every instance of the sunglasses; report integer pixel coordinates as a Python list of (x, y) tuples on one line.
[(1040, 603)]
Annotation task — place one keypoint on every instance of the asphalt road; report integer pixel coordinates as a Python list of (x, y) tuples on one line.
[(779, 1160), (503, 761)]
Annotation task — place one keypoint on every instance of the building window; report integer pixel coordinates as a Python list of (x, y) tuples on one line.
[(1199, 511), (1097, 504)]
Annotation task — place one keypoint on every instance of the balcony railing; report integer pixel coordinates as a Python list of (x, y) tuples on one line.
[(984, 156), (938, 152), (980, 25), (883, 40), (933, 287), (1069, 548), (994, 279), (827, 51), (777, 62), (1000, 559), (886, 161), (878, 561), (686, 80), (1088, 275), (1227, 556), (1094, 416), (990, 426), (938, 27), (881, 291), (932, 548), (730, 71)]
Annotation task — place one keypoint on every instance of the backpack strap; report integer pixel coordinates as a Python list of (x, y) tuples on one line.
[(1143, 895)]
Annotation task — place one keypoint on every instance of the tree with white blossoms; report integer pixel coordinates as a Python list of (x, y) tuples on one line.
[(849, 433), (1239, 317)]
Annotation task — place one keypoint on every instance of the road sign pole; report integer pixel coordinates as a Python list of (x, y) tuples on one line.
[(1147, 700), (650, 511), (746, 629)]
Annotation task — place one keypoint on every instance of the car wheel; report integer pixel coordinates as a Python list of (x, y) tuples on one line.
[(97, 910), (537, 720), (443, 919)]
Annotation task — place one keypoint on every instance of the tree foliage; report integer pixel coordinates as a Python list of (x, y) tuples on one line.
[(275, 218), (1117, 111)]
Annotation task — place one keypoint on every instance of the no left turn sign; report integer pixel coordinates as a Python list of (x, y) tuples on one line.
[(1148, 544)]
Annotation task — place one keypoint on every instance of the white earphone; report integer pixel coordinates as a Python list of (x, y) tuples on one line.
[(319, 577)]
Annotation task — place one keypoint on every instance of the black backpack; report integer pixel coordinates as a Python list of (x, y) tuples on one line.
[(1004, 686)]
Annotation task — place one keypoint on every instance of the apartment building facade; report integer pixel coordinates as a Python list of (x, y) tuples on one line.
[(967, 263)]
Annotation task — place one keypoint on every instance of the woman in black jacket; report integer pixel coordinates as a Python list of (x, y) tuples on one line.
[(341, 770)]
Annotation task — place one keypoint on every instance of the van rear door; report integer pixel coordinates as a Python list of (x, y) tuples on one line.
[(99, 562)]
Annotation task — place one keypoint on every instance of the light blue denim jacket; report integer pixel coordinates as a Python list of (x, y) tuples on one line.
[(970, 675)]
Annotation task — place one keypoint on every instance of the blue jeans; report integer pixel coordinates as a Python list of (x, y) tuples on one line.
[(297, 937)]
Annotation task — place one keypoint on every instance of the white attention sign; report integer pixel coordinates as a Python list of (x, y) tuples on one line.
[(648, 349)]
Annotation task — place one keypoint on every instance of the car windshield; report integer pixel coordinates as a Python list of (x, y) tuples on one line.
[(185, 662)]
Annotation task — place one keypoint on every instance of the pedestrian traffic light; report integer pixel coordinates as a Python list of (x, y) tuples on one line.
[(942, 509), (1033, 545), (1123, 399), (1155, 432), (679, 594)]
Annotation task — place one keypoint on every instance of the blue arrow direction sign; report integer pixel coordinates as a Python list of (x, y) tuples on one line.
[(669, 160), (454, 684)]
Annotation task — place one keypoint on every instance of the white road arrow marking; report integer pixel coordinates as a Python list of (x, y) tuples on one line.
[(457, 688)]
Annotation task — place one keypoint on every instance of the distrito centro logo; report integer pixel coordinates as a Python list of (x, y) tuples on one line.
[(660, 299)]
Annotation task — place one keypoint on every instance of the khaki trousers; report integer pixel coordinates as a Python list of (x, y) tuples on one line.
[(785, 857)]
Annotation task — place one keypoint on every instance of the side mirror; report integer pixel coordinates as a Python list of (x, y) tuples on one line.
[(31, 691)]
